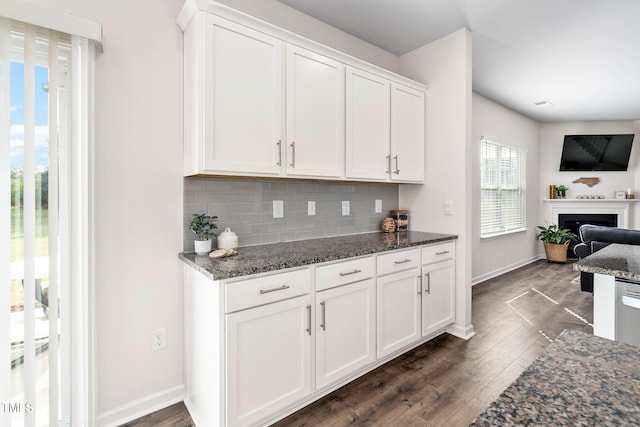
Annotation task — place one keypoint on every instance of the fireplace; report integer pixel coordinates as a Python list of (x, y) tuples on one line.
[(574, 221)]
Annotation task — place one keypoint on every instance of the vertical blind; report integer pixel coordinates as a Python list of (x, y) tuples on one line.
[(502, 188), (34, 113)]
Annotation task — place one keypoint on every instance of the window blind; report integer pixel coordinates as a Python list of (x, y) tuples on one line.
[(34, 113), (502, 188)]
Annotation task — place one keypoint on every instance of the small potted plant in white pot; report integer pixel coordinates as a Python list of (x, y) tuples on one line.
[(202, 226)]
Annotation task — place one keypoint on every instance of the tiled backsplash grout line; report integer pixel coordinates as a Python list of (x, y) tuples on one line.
[(246, 206)]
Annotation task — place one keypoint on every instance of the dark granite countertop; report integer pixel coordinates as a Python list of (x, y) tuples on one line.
[(622, 261), (581, 380), (278, 256)]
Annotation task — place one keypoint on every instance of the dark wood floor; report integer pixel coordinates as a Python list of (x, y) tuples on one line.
[(449, 381)]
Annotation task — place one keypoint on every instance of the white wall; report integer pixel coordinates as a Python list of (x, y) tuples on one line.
[(445, 65), (138, 199), (285, 17), (551, 140), (497, 255)]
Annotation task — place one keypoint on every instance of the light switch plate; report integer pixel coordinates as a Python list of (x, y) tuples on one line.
[(346, 208), (448, 207), (378, 206), (311, 208), (278, 209)]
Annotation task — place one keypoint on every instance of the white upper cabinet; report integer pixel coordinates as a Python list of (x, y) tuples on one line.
[(315, 115), (261, 101), (243, 99), (407, 134), (367, 126)]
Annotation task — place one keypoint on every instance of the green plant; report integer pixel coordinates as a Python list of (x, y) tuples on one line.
[(203, 225), (555, 235), (561, 188)]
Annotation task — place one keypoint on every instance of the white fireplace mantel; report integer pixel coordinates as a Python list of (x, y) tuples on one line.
[(619, 207)]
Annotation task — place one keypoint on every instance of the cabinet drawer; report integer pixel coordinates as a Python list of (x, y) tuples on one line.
[(263, 290), (398, 261), (440, 252), (333, 275)]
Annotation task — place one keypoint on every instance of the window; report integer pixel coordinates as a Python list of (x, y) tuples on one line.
[(45, 318), (502, 189)]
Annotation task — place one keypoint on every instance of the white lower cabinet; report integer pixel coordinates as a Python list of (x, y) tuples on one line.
[(345, 330), (398, 310), (268, 359), (255, 346)]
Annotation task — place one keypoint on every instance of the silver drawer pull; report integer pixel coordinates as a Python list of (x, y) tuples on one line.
[(279, 288), (442, 252), (356, 271), (630, 301), (403, 261)]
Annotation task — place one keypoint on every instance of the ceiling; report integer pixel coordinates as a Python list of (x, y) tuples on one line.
[(583, 56)]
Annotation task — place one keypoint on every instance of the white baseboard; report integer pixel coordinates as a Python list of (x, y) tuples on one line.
[(141, 407), (464, 332), (503, 270)]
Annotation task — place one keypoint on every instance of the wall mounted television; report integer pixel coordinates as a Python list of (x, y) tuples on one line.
[(596, 152)]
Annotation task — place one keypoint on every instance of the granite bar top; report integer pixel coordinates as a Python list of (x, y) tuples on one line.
[(278, 256), (621, 261), (581, 380)]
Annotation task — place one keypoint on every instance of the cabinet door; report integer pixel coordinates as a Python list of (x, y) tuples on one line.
[(438, 310), (243, 100), (407, 134), (268, 357), (315, 115), (367, 126), (398, 310), (345, 325)]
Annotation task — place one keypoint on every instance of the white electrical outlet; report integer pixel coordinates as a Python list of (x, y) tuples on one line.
[(346, 209), (311, 208), (278, 209), (158, 339), (378, 206)]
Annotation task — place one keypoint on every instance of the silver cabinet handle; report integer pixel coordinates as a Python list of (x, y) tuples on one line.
[(348, 273), (442, 252), (279, 144), (403, 261), (279, 288), (428, 277), (323, 325), (309, 319), (420, 285), (388, 164), (397, 171), (293, 154)]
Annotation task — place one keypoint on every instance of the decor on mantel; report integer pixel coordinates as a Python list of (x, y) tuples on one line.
[(562, 191), (590, 182), (202, 226), (556, 242)]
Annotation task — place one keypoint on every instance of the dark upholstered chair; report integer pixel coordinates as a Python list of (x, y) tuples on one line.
[(595, 237)]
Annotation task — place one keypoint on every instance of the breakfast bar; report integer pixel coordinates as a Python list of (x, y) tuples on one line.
[(616, 270)]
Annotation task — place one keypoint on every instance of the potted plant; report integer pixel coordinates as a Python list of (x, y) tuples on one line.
[(562, 191), (556, 242), (202, 226)]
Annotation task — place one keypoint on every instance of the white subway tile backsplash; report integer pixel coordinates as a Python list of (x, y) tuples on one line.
[(246, 206)]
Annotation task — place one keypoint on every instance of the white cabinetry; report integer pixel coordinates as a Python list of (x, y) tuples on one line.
[(259, 348), (268, 347), (315, 115), (438, 287), (398, 292), (368, 121), (261, 101), (237, 116), (407, 134), (345, 330), (385, 134)]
